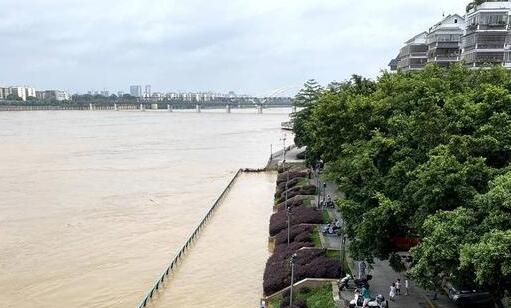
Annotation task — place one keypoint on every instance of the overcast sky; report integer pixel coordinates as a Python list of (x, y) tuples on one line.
[(248, 46)]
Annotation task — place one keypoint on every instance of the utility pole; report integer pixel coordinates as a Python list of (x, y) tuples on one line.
[(318, 167), (292, 261), (324, 192), (288, 210)]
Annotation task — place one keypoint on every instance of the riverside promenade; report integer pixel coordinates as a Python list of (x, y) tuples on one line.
[(383, 274)]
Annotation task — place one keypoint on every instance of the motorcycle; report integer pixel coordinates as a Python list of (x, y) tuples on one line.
[(327, 203), (343, 283), (379, 302)]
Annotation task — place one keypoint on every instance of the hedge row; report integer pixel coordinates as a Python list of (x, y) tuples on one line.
[(309, 263), (300, 234), (283, 177), (299, 215), (306, 190), (282, 186)]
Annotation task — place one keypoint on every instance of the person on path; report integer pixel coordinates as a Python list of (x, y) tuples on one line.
[(392, 292), (367, 297), (406, 287), (361, 270), (263, 304), (398, 287)]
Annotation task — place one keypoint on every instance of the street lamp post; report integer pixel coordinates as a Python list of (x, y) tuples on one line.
[(292, 261), (324, 192), (343, 252), (317, 183), (288, 209)]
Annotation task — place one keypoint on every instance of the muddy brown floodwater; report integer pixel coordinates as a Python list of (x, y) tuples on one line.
[(94, 205)]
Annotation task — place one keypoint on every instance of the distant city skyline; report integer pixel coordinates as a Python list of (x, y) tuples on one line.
[(244, 46)]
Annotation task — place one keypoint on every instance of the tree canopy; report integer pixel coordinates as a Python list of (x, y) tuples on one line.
[(420, 155)]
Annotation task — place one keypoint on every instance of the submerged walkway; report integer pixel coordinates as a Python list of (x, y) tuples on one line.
[(226, 266)]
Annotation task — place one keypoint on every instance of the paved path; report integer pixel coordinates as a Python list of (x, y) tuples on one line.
[(383, 274), (291, 155)]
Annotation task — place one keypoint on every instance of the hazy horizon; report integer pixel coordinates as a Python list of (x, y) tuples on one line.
[(250, 47)]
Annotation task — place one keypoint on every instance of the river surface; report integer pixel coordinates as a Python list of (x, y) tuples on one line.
[(94, 205)]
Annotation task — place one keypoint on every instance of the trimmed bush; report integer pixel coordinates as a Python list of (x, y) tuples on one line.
[(292, 174), (310, 263), (292, 202), (282, 186), (299, 215), (306, 190), (299, 233)]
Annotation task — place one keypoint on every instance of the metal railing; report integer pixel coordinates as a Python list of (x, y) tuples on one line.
[(149, 295)]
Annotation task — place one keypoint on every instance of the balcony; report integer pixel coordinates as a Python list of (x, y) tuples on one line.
[(416, 65), (490, 45), (447, 44), (493, 26), (482, 58), (419, 54), (446, 58)]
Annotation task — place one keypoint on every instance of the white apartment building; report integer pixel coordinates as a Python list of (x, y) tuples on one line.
[(4, 92), (21, 92), (147, 91), (487, 38), (444, 40), (414, 55)]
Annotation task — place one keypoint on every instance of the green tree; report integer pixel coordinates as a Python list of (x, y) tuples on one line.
[(13, 97), (421, 153), (306, 98), (437, 257), (490, 261)]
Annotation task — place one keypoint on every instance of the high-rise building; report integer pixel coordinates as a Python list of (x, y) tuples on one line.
[(444, 40), (4, 92), (136, 91), (147, 91), (487, 38), (482, 37), (20, 92), (57, 95), (414, 55)]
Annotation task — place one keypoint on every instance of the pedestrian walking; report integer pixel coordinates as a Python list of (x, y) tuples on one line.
[(367, 297), (361, 270), (263, 304), (392, 292), (406, 287), (398, 287)]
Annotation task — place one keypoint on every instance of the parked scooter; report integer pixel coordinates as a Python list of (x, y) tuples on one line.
[(343, 283), (379, 302), (328, 202)]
